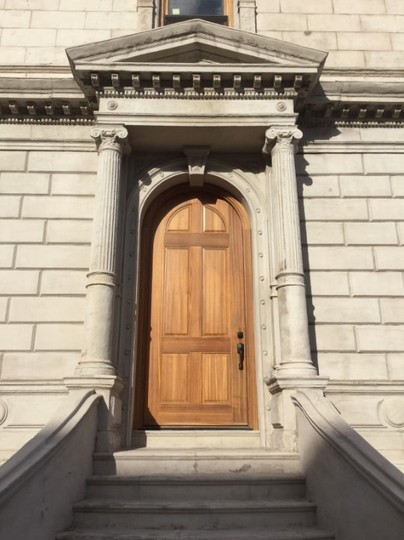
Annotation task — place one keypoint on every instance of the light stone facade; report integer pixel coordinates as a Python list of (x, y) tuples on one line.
[(55, 212)]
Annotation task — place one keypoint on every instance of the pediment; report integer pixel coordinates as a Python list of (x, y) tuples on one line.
[(196, 59), (195, 41)]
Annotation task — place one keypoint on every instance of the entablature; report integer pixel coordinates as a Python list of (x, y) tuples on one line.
[(197, 60), (199, 72)]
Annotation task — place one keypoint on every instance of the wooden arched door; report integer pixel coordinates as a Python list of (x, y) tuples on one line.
[(198, 267)]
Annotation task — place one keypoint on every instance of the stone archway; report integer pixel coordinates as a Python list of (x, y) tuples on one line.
[(245, 187)]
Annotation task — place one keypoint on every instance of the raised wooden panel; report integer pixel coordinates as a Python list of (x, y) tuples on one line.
[(175, 239), (213, 221), (174, 372), (215, 292), (175, 292), (181, 220), (216, 378)]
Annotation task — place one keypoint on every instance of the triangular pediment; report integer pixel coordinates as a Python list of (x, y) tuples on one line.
[(195, 41), (194, 50), (197, 58)]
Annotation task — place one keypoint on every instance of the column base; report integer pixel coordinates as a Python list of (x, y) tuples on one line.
[(283, 412), (109, 410), (94, 367), (297, 370)]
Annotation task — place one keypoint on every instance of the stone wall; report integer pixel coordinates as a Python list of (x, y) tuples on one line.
[(46, 208), (362, 34), (38, 31), (353, 226)]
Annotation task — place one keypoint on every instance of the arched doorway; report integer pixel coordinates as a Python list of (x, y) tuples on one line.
[(196, 339)]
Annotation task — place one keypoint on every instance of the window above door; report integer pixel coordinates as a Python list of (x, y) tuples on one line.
[(218, 11)]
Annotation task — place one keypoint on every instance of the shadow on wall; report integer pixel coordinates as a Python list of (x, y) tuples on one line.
[(301, 181), (40, 483), (304, 179), (359, 494)]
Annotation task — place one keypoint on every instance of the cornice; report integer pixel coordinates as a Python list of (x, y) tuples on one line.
[(48, 145), (25, 386), (213, 81), (21, 117), (35, 98), (360, 98), (322, 120), (365, 99)]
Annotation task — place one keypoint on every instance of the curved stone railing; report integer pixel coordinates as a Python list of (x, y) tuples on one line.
[(359, 494), (39, 484)]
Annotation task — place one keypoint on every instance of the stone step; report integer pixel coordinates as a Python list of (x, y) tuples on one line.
[(197, 487), (195, 461), (193, 514), (200, 438), (240, 534)]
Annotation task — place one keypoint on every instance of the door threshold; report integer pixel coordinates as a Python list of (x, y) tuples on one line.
[(201, 438)]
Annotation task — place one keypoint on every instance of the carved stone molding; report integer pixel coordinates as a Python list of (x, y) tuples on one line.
[(3, 412), (196, 157), (391, 411)]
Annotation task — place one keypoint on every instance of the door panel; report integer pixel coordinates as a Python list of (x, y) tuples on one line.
[(174, 369), (214, 292), (200, 286), (216, 378), (175, 297)]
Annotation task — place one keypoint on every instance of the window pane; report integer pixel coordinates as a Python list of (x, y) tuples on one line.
[(195, 7)]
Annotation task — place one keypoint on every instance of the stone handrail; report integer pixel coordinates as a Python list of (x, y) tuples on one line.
[(40, 482), (359, 493)]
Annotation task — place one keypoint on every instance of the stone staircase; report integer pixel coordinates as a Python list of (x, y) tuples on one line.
[(156, 494)]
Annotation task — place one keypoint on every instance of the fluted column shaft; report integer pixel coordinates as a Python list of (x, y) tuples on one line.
[(295, 346), (97, 358)]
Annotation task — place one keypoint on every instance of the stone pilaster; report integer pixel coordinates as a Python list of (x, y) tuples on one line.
[(295, 346), (146, 10), (97, 358), (247, 10)]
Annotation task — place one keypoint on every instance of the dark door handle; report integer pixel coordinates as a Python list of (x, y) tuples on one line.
[(240, 351)]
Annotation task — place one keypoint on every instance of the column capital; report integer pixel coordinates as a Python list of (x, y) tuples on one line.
[(111, 138), (284, 137)]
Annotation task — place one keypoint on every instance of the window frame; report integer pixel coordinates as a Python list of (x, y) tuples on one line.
[(227, 5)]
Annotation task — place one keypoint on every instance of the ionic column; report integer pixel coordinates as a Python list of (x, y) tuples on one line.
[(295, 346), (97, 358)]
